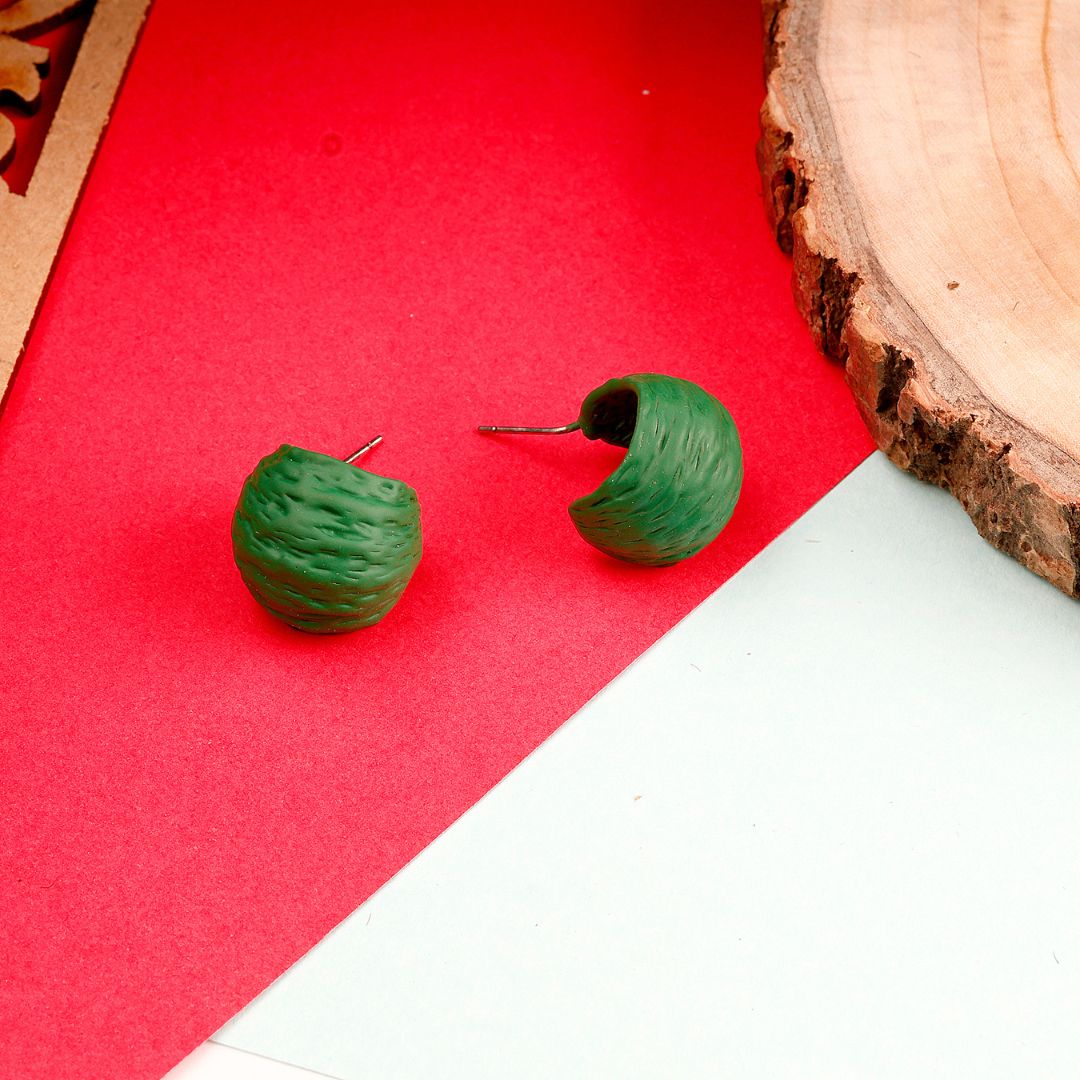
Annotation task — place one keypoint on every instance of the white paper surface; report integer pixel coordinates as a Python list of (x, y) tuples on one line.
[(827, 827), (214, 1061)]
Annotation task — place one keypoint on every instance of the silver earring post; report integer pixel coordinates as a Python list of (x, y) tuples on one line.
[(492, 429), (363, 449)]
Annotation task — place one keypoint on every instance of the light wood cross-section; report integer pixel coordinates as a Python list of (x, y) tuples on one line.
[(33, 225), (921, 161)]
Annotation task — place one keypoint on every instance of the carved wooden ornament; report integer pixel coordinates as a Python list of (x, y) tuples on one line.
[(32, 225), (920, 162)]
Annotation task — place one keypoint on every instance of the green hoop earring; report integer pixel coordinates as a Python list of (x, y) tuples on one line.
[(322, 545), (677, 486)]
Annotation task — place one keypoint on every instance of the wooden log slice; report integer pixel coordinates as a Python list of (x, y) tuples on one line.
[(921, 162)]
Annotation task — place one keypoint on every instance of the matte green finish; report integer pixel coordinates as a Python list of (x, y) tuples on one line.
[(323, 545), (678, 484)]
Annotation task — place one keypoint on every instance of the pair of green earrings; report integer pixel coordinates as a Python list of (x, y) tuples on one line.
[(329, 548)]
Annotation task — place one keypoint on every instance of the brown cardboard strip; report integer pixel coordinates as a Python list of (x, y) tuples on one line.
[(32, 226)]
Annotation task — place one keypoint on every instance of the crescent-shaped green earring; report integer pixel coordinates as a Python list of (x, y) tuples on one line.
[(323, 545), (678, 484)]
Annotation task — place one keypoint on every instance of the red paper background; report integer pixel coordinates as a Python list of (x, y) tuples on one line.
[(315, 225)]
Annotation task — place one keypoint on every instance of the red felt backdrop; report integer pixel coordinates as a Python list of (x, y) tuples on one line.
[(315, 225)]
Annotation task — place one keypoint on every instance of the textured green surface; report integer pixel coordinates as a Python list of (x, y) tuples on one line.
[(679, 481), (325, 546)]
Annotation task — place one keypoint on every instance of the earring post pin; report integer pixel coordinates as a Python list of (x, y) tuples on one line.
[(501, 430), (363, 449)]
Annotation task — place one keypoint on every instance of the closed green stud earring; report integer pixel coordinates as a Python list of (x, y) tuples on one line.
[(678, 484), (324, 545)]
